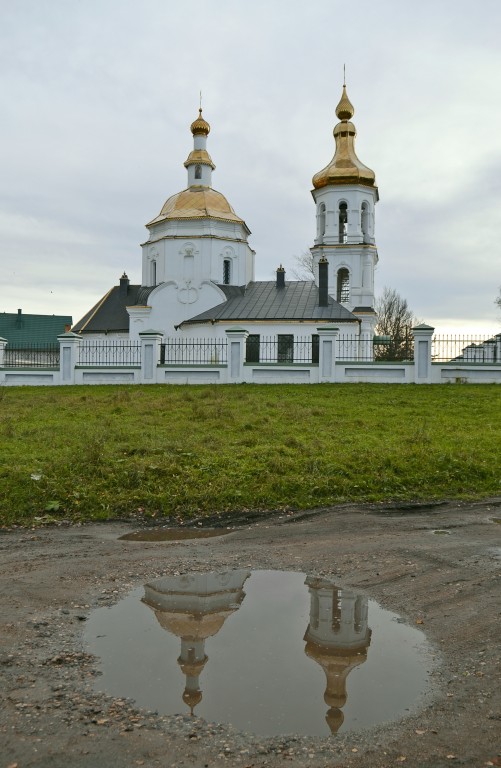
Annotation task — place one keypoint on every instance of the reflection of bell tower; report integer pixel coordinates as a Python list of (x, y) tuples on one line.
[(195, 607), (337, 638)]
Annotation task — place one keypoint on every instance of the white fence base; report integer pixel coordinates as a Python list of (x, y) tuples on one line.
[(223, 362)]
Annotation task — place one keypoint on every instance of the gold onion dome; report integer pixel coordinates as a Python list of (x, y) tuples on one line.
[(345, 167), (345, 109), (200, 127), (192, 698)]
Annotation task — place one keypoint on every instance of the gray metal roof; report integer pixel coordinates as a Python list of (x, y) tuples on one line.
[(110, 314), (262, 300)]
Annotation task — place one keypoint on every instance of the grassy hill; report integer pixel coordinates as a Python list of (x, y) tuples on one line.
[(102, 452)]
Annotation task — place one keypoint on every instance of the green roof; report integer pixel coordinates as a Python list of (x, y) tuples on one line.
[(32, 330)]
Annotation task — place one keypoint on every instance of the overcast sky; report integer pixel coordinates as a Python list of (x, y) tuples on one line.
[(97, 97)]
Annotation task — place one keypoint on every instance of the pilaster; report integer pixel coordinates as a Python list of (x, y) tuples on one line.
[(327, 337), (236, 338), (3, 344), (150, 355), (422, 353), (69, 350)]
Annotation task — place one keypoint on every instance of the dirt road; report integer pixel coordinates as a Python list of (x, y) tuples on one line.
[(449, 583)]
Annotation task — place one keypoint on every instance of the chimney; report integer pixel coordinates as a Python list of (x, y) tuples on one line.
[(19, 319), (280, 277), (124, 285), (323, 282)]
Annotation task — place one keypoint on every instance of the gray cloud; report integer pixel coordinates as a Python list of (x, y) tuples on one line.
[(98, 98)]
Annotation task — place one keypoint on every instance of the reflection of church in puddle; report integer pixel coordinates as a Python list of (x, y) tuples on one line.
[(337, 638), (195, 606)]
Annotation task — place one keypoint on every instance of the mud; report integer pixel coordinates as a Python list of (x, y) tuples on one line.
[(449, 585)]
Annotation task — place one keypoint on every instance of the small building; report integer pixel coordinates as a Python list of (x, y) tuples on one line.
[(27, 331), (198, 273)]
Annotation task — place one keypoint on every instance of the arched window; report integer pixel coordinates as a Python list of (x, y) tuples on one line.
[(153, 272), (198, 171), (343, 223), (226, 271), (364, 223), (321, 220), (343, 285)]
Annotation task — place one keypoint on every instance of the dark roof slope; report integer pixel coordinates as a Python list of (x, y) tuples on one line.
[(109, 314), (27, 330), (297, 300)]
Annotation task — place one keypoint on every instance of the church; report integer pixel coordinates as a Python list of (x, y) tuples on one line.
[(198, 269)]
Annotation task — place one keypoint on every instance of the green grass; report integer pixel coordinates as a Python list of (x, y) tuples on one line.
[(102, 452)]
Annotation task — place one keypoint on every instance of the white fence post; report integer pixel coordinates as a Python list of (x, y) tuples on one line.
[(236, 353), (498, 348), (69, 346), (327, 337), (150, 355), (3, 344), (422, 353)]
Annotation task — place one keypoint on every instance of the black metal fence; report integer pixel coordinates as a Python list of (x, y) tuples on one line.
[(110, 353), (194, 352), (34, 356), (283, 348), (378, 349), (474, 350)]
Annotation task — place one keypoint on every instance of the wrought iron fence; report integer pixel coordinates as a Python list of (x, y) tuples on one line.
[(378, 349), (396, 348), (110, 353), (473, 350), (193, 352), (34, 356), (283, 348)]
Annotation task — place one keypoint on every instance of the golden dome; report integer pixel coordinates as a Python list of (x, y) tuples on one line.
[(197, 203), (345, 167), (199, 156), (200, 127), (345, 109), (192, 626), (192, 698)]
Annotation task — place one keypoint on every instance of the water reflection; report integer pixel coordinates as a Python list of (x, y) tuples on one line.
[(337, 638), (270, 652), (194, 607)]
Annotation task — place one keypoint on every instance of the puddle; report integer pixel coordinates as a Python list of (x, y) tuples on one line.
[(441, 532), (496, 519), (174, 534), (270, 652)]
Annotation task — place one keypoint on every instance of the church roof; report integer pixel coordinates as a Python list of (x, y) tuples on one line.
[(197, 203), (262, 300), (22, 330), (110, 314)]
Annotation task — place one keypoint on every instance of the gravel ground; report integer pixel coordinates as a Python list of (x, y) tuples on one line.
[(51, 578)]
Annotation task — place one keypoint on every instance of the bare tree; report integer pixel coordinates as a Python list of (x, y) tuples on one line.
[(498, 300), (395, 320), (304, 267)]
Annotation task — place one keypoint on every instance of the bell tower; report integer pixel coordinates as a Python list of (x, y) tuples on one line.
[(345, 195)]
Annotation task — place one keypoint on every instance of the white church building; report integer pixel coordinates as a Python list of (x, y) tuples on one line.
[(198, 269)]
